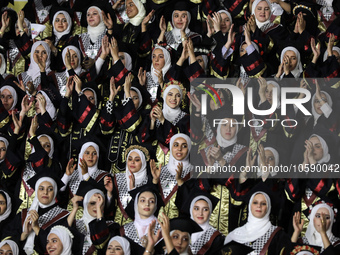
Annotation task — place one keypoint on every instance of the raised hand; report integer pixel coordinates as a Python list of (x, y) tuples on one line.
[(216, 21), (17, 123), (146, 19), (114, 50), (83, 166), (78, 83), (20, 85), (142, 76), (5, 23), (70, 167), (69, 86), (127, 85), (113, 89), (162, 24), (152, 237), (68, 60), (41, 102), (117, 4), (179, 171), (25, 105), (231, 37), (105, 47), (34, 126), (131, 180), (75, 201), (108, 184), (262, 90), (330, 45), (298, 226), (107, 20), (194, 100), (316, 50), (155, 171)]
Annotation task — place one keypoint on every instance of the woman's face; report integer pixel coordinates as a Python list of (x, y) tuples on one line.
[(45, 143), (17, 31), (54, 246), (74, 59), (131, 9), (60, 23), (6, 250), (269, 158), (243, 50), (201, 212), (41, 53), (90, 96), (135, 98), (114, 248), (146, 204), (122, 57), (317, 148), (259, 206), (45, 193), (134, 162), (228, 130), (180, 18), (3, 150), (173, 98), (90, 156), (93, 17), (200, 61), (262, 11), (92, 205), (335, 53), (269, 93), (3, 204), (158, 60), (180, 240), (212, 104), (318, 215), (225, 23), (292, 59), (180, 149), (7, 99), (317, 104)]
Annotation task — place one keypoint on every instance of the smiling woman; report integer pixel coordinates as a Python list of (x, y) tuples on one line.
[(59, 241)]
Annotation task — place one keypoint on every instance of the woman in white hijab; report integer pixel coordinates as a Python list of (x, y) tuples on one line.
[(169, 179), (258, 233), (9, 97), (319, 229), (62, 25), (201, 208), (135, 176), (9, 247), (321, 106), (118, 244), (290, 57), (40, 65), (88, 168), (59, 241), (5, 209), (161, 63)]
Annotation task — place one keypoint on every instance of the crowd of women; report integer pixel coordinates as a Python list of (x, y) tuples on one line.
[(98, 118)]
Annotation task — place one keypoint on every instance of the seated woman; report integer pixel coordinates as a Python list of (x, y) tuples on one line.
[(171, 176), (59, 241), (135, 176), (177, 234), (210, 240), (9, 247), (143, 209), (258, 233), (319, 229)]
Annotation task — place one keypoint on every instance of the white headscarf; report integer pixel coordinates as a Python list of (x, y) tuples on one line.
[(141, 175), (29, 245), (69, 24), (12, 244), (298, 69), (52, 111), (3, 64), (276, 157), (5, 215), (136, 20), (224, 142), (13, 93), (228, 14), (94, 168), (258, 23), (50, 154), (87, 218), (34, 70), (139, 96), (94, 94), (65, 237), (205, 225), (143, 224), (172, 165), (169, 113), (95, 32), (166, 66), (77, 51), (254, 228), (128, 61), (329, 102), (313, 236), (123, 242), (325, 157), (325, 55), (176, 32)]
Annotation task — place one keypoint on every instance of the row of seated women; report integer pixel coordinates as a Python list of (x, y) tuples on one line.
[(96, 132)]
